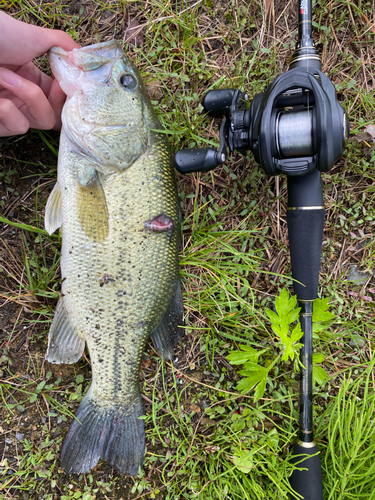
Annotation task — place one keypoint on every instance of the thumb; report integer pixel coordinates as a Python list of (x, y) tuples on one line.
[(50, 38), (21, 42)]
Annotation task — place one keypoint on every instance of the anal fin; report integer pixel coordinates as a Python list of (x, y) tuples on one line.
[(65, 344), (167, 334)]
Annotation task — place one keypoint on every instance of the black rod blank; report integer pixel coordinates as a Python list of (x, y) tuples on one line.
[(306, 383), (304, 20)]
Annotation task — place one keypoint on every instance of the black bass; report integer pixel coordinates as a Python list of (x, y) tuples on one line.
[(117, 205)]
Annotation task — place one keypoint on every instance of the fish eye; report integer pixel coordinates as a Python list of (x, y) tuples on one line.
[(128, 82)]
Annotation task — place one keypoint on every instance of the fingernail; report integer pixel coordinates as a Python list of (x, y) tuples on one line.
[(9, 77)]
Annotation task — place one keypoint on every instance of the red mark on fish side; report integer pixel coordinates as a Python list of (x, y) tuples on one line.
[(160, 224)]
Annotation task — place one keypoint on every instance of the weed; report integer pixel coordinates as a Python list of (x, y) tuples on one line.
[(348, 454)]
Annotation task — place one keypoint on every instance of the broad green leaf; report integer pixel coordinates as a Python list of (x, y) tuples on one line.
[(321, 327), (284, 304), (272, 315), (297, 333), (87, 496), (320, 311), (243, 460), (238, 422), (319, 375), (273, 438), (276, 328), (261, 387), (253, 367), (293, 315), (289, 352), (247, 383), (318, 358), (40, 386), (220, 410), (251, 373), (247, 354), (281, 331)]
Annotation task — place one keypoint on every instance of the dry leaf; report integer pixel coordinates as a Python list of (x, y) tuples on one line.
[(133, 33), (371, 130), (154, 90), (368, 135), (146, 363)]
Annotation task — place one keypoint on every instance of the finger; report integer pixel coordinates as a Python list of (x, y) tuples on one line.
[(31, 72), (12, 121), (37, 109), (26, 41), (57, 38), (56, 99)]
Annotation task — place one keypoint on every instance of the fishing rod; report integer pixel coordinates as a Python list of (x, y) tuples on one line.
[(297, 128)]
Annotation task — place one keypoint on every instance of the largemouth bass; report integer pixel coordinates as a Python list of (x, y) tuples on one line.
[(116, 203)]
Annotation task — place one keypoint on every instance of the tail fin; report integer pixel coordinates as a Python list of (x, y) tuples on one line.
[(112, 432)]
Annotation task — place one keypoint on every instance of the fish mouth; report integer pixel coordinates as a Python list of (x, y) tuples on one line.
[(94, 48), (90, 57), (67, 66), (108, 49)]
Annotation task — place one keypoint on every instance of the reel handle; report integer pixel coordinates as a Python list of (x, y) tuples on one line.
[(197, 160), (215, 102)]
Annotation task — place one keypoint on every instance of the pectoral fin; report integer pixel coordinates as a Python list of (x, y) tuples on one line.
[(167, 334), (65, 344), (92, 209), (53, 218)]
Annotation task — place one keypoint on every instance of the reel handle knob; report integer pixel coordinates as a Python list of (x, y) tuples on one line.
[(216, 101), (187, 161)]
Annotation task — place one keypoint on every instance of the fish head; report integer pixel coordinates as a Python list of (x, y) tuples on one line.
[(105, 112)]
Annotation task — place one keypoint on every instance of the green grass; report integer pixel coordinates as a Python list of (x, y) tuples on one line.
[(205, 439), (348, 424)]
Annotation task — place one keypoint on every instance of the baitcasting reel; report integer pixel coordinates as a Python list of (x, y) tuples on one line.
[(295, 127)]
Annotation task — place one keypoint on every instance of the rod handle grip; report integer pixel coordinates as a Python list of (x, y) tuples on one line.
[(305, 219), (309, 482)]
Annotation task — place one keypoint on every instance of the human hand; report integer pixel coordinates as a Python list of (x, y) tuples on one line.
[(28, 97)]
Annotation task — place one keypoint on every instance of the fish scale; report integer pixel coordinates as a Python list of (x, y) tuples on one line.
[(119, 257)]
